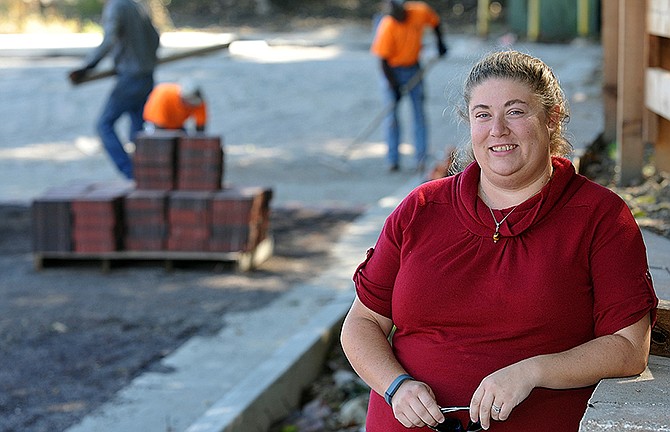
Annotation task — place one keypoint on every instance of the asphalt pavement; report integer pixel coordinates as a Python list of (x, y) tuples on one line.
[(289, 108)]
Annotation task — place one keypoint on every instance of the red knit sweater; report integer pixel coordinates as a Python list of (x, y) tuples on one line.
[(570, 266)]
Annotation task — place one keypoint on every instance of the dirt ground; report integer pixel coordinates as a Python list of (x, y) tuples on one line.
[(71, 336)]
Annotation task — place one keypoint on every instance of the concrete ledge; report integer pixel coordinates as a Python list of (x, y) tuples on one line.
[(640, 403), (275, 388)]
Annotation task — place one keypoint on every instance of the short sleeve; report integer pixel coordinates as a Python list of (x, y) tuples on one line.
[(431, 18), (375, 277), (382, 45), (622, 285)]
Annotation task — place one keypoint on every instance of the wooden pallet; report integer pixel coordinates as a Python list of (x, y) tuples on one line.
[(244, 261)]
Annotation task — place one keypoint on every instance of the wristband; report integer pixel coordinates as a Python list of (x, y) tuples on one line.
[(395, 385)]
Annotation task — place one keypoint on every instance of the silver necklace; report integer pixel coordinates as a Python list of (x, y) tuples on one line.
[(496, 234)]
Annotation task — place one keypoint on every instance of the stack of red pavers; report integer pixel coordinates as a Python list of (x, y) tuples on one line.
[(97, 217), (240, 218), (145, 220), (155, 170), (178, 204), (155, 160), (200, 215), (51, 217), (189, 221), (199, 164)]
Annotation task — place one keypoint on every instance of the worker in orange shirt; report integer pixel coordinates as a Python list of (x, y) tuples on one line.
[(398, 41), (171, 105)]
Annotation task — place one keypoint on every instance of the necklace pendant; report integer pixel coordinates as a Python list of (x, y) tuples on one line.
[(496, 237)]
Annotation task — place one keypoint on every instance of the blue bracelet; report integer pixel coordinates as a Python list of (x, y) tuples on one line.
[(395, 385)]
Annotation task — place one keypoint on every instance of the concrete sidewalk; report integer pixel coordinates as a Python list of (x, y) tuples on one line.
[(252, 372)]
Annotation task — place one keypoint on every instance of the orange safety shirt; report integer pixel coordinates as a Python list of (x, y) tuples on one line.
[(399, 43), (167, 110)]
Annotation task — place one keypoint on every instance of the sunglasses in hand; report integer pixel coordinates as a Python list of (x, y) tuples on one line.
[(453, 424)]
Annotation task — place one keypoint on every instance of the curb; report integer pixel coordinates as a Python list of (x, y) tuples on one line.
[(274, 389)]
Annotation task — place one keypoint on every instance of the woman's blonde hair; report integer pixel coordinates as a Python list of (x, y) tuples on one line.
[(532, 71)]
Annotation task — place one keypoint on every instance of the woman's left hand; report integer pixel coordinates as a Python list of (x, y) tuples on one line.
[(500, 392)]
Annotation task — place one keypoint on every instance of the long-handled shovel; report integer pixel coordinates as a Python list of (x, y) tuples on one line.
[(340, 163)]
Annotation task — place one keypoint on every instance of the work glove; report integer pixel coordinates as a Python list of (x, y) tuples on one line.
[(77, 76), (441, 49), (398, 93)]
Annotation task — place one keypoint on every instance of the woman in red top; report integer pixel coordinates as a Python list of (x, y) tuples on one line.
[(513, 287)]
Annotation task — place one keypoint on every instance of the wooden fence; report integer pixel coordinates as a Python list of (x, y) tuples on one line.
[(636, 82)]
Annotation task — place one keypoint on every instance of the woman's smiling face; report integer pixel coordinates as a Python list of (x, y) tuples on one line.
[(510, 131)]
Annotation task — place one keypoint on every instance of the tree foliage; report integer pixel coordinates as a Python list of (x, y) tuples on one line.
[(168, 13)]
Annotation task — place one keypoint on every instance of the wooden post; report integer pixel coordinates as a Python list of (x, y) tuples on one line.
[(610, 43), (583, 17), (483, 18), (662, 144), (657, 123), (533, 30), (630, 104)]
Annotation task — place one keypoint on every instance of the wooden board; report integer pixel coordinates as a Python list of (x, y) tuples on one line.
[(244, 260), (658, 17), (96, 75)]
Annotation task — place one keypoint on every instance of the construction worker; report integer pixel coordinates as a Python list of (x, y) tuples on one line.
[(397, 43), (171, 105), (132, 40)]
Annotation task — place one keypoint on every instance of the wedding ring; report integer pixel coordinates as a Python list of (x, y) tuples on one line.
[(495, 408)]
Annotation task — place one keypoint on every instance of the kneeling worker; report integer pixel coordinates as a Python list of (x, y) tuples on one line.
[(171, 105)]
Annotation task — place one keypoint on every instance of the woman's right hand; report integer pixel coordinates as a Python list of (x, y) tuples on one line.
[(414, 405)]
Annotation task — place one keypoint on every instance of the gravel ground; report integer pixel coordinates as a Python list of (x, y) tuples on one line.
[(71, 336)]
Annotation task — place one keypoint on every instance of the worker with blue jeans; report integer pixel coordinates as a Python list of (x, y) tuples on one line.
[(132, 40), (398, 41), (392, 125), (128, 96)]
